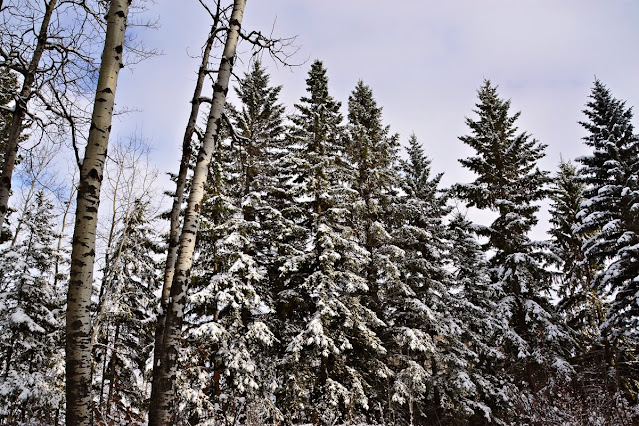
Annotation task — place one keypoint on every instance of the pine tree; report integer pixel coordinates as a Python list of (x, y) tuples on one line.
[(31, 366), (609, 213), (579, 304), (509, 183)]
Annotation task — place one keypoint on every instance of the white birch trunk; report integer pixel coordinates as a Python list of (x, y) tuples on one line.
[(78, 327), (163, 390), (17, 121)]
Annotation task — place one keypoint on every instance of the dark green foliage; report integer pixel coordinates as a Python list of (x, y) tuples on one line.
[(580, 306), (609, 213), (509, 183)]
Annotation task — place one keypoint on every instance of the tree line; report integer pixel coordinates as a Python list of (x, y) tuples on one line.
[(314, 271)]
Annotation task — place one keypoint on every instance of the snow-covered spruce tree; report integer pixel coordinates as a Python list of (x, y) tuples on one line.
[(327, 332), (509, 183), (31, 356), (124, 346), (372, 150), (420, 329), (232, 294), (610, 220), (580, 306), (439, 340), (486, 396)]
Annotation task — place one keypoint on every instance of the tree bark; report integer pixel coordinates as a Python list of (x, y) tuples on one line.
[(163, 389), (174, 232), (20, 111), (78, 326)]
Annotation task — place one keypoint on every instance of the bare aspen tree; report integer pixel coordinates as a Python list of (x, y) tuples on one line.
[(178, 198), (163, 388), (78, 327)]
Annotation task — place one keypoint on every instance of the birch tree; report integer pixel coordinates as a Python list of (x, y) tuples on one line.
[(165, 367), (78, 327)]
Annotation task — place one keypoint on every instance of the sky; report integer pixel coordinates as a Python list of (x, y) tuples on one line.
[(423, 59)]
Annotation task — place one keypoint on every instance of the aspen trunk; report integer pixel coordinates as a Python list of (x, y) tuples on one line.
[(163, 389), (174, 232), (78, 328), (17, 121)]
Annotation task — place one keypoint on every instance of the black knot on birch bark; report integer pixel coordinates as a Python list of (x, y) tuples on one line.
[(235, 21), (118, 49), (120, 13), (106, 90), (93, 174)]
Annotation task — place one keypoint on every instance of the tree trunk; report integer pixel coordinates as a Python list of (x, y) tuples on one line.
[(174, 233), (17, 121), (78, 327), (163, 390)]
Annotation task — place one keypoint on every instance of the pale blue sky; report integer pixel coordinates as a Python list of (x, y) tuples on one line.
[(423, 59)]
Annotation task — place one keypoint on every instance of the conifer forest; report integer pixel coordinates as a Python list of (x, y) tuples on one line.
[(300, 263)]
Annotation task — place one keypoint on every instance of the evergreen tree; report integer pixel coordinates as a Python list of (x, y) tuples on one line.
[(509, 183), (489, 389), (422, 334), (579, 304), (327, 331), (609, 213), (372, 150), (233, 296), (125, 342), (32, 362)]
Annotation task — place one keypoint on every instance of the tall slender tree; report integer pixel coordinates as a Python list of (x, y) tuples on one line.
[(165, 368), (579, 303), (78, 325), (328, 333)]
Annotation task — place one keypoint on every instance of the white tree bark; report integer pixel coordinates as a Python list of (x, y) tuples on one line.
[(78, 327), (174, 232), (163, 390)]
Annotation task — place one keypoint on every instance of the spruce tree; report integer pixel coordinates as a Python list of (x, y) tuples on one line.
[(578, 303), (510, 183), (232, 302), (422, 334), (32, 360), (487, 396), (372, 151), (125, 339), (327, 332), (609, 213)]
